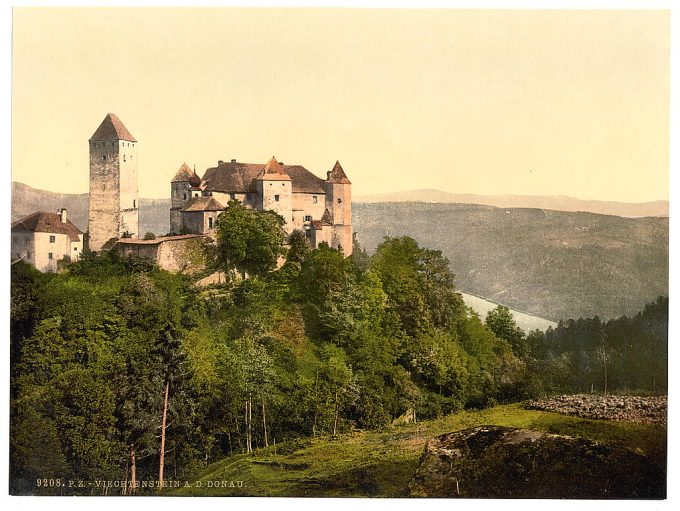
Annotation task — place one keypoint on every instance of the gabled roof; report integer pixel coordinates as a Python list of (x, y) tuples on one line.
[(326, 218), (237, 177), (112, 128), (203, 204), (273, 171), (338, 175), (47, 222)]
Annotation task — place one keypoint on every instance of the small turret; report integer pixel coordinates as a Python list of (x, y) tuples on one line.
[(183, 186)]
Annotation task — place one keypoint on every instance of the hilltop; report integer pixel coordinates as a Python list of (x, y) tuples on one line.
[(556, 202)]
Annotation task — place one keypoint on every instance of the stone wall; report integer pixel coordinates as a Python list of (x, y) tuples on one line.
[(304, 205), (113, 198), (268, 191), (173, 253)]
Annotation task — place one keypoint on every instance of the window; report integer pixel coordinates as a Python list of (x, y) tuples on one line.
[(210, 223), (232, 196), (124, 158), (103, 157), (339, 201), (75, 249), (28, 255), (134, 203), (184, 195), (276, 198), (315, 199), (50, 256), (53, 239), (308, 218), (95, 144)]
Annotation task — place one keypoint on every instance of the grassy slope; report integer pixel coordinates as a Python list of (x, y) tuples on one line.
[(381, 463)]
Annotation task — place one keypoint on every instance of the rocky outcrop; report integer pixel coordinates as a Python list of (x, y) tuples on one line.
[(648, 410), (499, 462)]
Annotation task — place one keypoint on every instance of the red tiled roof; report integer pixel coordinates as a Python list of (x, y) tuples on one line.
[(47, 222), (112, 128), (237, 177), (338, 175), (203, 204)]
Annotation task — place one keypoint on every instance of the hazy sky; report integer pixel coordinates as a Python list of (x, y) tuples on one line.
[(488, 102)]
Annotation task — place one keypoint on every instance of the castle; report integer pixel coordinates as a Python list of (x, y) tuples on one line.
[(322, 209)]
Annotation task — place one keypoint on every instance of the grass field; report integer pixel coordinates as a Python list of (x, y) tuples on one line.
[(381, 463)]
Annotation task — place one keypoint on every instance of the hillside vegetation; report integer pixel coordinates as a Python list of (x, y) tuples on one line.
[(551, 264), (381, 463)]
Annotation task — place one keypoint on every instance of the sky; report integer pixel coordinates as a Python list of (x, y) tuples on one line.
[(557, 102)]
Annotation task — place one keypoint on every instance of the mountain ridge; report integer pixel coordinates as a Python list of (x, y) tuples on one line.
[(657, 208)]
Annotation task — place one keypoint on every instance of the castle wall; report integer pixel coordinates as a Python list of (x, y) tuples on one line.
[(186, 254), (304, 205), (339, 203), (199, 221), (113, 199), (269, 191), (103, 217), (129, 193), (323, 235)]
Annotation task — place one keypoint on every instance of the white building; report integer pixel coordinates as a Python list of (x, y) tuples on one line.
[(41, 239)]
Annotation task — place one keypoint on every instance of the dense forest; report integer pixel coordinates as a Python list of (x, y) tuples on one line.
[(125, 372)]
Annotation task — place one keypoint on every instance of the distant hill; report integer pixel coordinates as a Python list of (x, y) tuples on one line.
[(556, 202), (551, 264), (154, 214)]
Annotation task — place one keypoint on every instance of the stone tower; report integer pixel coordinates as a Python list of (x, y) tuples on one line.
[(275, 189), (114, 203), (185, 185), (339, 205)]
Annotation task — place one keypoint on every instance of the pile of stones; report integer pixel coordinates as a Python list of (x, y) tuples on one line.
[(648, 410)]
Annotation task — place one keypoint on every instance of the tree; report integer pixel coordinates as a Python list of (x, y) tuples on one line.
[(501, 322), (298, 246), (149, 236), (249, 241)]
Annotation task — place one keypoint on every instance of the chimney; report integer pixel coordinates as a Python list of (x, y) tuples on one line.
[(220, 162), (233, 160), (328, 175), (62, 215)]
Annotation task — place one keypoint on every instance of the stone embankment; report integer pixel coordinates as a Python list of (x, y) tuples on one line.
[(648, 410)]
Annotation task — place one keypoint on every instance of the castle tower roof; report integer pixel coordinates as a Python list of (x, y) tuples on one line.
[(186, 175), (273, 171), (337, 175), (183, 174), (112, 128)]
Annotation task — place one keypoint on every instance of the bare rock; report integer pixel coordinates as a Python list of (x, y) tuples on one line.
[(499, 462)]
